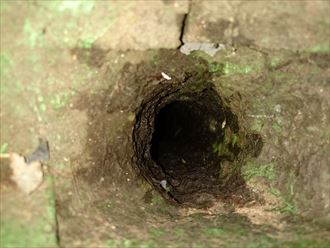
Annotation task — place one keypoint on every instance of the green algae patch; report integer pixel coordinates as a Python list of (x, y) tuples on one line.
[(321, 48), (31, 35), (231, 69), (17, 234), (73, 7), (252, 170), (5, 65), (3, 148), (39, 231)]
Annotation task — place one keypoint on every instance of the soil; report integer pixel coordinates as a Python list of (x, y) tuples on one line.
[(241, 138)]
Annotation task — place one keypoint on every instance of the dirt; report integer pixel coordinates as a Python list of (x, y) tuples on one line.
[(113, 179), (169, 121), (90, 101)]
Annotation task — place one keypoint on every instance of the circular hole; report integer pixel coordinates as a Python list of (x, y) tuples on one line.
[(182, 144), (189, 146)]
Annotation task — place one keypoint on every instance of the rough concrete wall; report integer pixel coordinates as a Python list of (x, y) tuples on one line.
[(268, 24), (145, 25)]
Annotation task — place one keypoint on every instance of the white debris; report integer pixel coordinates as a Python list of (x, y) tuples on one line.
[(167, 77), (163, 183), (209, 48), (223, 124), (278, 108), (28, 177)]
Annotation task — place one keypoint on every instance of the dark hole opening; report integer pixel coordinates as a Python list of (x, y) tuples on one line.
[(182, 144), (190, 147)]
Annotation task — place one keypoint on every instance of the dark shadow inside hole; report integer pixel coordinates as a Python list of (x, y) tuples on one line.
[(192, 143), (185, 132)]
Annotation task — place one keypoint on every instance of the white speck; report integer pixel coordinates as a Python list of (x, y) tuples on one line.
[(102, 179), (65, 159), (167, 77), (163, 183), (223, 124), (122, 55), (128, 179), (183, 161), (278, 108)]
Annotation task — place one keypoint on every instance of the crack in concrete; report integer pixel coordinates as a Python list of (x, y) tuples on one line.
[(183, 24)]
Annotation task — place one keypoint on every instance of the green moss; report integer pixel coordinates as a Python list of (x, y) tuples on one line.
[(286, 205), (202, 55), (277, 126), (51, 204), (5, 65), (39, 231), (230, 141), (15, 234), (306, 243), (321, 48), (275, 61), (3, 148), (215, 231), (157, 232), (30, 34), (85, 43), (263, 242), (179, 232), (216, 68), (252, 170), (231, 69), (257, 125), (157, 200), (58, 101), (76, 7)]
